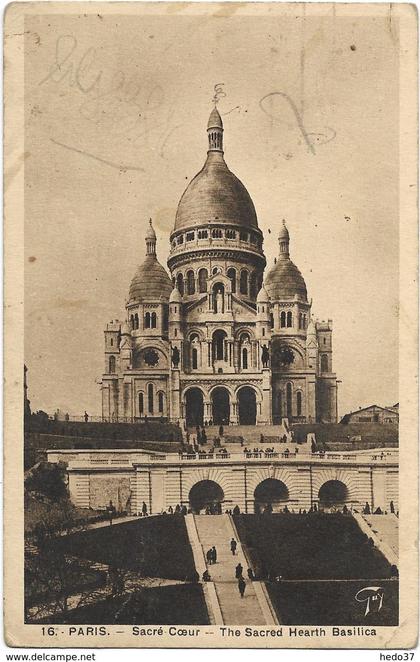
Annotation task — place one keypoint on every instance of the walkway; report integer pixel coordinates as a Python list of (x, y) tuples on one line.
[(217, 530)]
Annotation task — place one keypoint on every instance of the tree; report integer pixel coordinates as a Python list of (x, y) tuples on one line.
[(48, 479)]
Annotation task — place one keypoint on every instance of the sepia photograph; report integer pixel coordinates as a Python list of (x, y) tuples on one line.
[(219, 277)]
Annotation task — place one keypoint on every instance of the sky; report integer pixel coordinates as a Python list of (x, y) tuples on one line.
[(116, 109)]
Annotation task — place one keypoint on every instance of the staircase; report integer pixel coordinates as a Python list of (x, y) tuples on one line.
[(386, 529), (251, 434), (253, 608)]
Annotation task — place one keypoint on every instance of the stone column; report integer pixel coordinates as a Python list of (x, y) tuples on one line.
[(234, 412), (174, 401), (265, 417)]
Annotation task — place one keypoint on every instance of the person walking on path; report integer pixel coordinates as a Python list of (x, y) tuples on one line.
[(209, 556), (238, 571), (144, 509), (214, 554), (233, 545), (241, 586)]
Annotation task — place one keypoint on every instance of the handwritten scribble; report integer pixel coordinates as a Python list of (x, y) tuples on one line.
[(219, 92), (118, 166), (310, 138)]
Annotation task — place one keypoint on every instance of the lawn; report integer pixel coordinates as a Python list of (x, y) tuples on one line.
[(331, 603), (154, 547), (179, 604), (312, 546)]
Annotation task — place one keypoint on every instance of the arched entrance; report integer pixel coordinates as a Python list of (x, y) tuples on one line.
[(247, 406), (221, 406), (272, 494), (206, 494), (194, 407), (219, 345), (333, 494)]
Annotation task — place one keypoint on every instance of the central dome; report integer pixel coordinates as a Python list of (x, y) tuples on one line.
[(215, 194)]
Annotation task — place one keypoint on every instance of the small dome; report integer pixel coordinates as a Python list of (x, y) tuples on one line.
[(151, 281), (263, 296), (284, 232), (215, 121), (284, 281), (150, 233), (175, 296)]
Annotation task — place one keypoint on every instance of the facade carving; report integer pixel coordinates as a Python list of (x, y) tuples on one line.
[(216, 341)]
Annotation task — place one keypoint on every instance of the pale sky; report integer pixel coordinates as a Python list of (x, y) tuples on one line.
[(311, 129)]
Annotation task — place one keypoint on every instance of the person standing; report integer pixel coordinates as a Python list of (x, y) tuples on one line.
[(238, 571), (144, 509), (233, 545), (209, 556), (214, 554), (241, 586)]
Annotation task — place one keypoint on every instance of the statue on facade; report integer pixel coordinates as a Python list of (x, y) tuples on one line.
[(265, 356), (175, 357)]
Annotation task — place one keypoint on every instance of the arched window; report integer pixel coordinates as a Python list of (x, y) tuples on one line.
[(324, 363), (253, 286), (300, 320), (141, 403), (160, 402), (111, 341), (132, 321), (150, 398), (147, 321), (202, 280), (299, 403), (244, 358), (272, 320), (231, 274), (304, 322), (190, 282), (289, 319), (289, 408), (136, 321), (243, 286), (153, 320), (180, 284), (282, 319), (112, 364)]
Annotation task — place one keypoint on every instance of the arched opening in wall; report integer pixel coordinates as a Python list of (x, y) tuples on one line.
[(218, 345), (153, 320), (194, 407), (190, 282), (299, 403), (202, 280), (194, 358), (324, 363), (272, 320), (111, 364), (247, 406), (282, 319), (150, 402), (289, 403), (206, 494), (141, 404), (333, 495), (218, 298), (271, 494), (136, 321), (289, 319), (220, 406), (147, 321), (231, 274), (180, 284), (253, 286), (243, 283), (160, 402)]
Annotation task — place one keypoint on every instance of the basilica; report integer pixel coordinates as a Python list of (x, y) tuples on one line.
[(218, 341)]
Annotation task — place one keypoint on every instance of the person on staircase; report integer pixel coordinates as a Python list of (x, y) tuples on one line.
[(241, 586), (214, 554), (233, 546)]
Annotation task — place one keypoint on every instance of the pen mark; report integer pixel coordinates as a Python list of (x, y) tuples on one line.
[(121, 167)]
